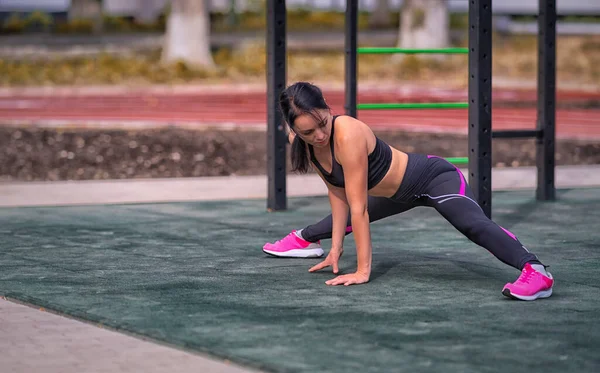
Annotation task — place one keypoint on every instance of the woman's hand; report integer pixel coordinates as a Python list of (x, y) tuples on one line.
[(332, 260), (349, 279)]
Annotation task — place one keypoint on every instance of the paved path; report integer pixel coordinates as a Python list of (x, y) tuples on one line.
[(44, 45), (248, 108), (61, 193), (35, 341)]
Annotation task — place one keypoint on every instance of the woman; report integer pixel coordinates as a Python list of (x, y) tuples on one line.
[(368, 180)]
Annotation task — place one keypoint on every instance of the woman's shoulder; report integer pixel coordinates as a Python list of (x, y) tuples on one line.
[(347, 126), (344, 118), (348, 123), (351, 134)]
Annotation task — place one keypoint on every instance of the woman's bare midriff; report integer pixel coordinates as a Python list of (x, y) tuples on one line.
[(390, 183)]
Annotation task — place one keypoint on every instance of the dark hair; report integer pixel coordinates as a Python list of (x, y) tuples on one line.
[(297, 99)]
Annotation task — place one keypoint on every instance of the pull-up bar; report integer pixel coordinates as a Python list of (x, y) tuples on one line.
[(479, 96)]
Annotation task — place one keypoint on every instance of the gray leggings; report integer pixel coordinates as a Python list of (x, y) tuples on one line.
[(433, 182)]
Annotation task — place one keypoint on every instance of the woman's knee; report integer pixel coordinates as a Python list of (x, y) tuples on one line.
[(476, 229), (469, 220)]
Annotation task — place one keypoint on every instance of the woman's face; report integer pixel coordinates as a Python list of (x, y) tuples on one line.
[(314, 128)]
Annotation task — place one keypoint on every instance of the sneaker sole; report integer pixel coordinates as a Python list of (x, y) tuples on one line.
[(540, 294), (297, 253)]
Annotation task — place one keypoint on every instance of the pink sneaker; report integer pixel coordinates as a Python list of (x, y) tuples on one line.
[(530, 285), (292, 246)]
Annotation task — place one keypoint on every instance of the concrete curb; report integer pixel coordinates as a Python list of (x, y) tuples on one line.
[(72, 193)]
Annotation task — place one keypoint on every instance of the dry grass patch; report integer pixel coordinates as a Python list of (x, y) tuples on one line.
[(578, 61)]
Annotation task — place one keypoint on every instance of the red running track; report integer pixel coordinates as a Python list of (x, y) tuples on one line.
[(250, 108)]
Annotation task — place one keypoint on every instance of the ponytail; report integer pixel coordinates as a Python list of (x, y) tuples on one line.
[(298, 99), (299, 156)]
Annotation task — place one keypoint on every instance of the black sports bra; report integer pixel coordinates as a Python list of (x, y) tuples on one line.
[(380, 161)]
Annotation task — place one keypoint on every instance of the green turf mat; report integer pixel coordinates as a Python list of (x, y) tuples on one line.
[(193, 275)]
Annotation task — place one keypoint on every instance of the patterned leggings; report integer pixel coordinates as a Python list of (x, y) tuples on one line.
[(433, 182)]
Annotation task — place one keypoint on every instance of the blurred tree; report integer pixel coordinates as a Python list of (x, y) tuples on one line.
[(424, 24), (187, 37), (380, 17), (87, 10)]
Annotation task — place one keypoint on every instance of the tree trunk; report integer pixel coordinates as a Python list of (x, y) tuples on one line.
[(187, 38), (87, 9), (424, 24), (380, 17)]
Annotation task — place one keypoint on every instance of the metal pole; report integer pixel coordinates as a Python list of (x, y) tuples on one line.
[(350, 44), (546, 121), (480, 102), (276, 81)]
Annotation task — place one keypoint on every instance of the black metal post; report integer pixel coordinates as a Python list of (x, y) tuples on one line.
[(350, 45), (480, 102), (546, 115), (276, 81)]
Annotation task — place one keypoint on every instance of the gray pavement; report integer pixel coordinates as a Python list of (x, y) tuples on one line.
[(46, 45), (20, 46), (235, 187), (37, 341)]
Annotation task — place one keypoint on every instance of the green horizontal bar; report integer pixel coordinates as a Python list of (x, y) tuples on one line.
[(415, 105), (458, 160), (375, 50)]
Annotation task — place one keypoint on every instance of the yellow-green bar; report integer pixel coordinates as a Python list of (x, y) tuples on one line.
[(458, 160), (415, 105), (376, 50)]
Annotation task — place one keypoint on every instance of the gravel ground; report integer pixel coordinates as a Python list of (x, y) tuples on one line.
[(43, 154)]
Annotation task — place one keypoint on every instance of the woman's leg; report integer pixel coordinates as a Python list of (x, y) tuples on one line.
[(452, 197), (305, 243), (378, 208)]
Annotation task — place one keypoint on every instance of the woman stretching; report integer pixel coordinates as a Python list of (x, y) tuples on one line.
[(369, 180)]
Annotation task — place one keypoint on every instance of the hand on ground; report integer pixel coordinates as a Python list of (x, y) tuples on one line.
[(332, 260), (349, 279)]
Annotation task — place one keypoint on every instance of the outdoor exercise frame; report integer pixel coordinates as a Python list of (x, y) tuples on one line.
[(479, 103)]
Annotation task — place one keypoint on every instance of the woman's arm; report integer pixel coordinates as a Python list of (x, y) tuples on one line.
[(352, 153), (339, 213)]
